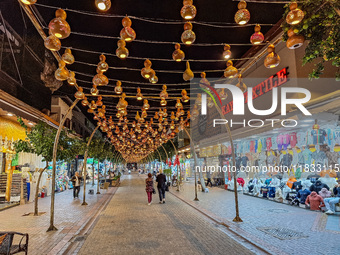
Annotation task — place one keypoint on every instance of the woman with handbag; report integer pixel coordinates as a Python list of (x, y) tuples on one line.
[(149, 187)]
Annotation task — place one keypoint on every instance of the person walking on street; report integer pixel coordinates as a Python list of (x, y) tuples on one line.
[(76, 185), (149, 187), (161, 182)]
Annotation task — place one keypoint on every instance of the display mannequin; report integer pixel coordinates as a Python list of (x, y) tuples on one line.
[(285, 191), (324, 193), (27, 175), (278, 195), (275, 182), (231, 184), (303, 194), (330, 182), (314, 201)]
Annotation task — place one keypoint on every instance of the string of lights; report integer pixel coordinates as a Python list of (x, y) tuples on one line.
[(267, 2)]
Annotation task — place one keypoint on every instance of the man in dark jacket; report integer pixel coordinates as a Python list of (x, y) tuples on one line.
[(318, 186), (76, 184), (331, 201), (161, 182)]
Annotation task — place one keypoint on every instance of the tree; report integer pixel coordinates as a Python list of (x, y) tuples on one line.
[(95, 151)]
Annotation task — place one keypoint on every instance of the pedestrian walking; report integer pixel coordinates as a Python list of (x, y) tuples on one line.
[(161, 182), (209, 182), (149, 187), (76, 184)]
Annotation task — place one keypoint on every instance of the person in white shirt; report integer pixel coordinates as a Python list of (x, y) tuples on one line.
[(76, 185)]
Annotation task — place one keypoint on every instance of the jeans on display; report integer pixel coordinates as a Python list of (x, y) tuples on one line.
[(330, 203), (161, 192), (76, 190), (149, 196)]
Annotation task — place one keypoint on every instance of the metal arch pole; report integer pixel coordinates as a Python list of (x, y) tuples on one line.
[(192, 145), (179, 178), (54, 165), (85, 164)]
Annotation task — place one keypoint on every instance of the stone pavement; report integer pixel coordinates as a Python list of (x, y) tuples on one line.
[(129, 226), (297, 230), (70, 219)]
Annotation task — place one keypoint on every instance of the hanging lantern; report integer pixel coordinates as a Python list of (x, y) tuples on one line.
[(257, 37), (188, 74), (272, 59), (127, 33), (185, 97), (100, 79), (188, 10), (178, 55), (118, 88), (59, 26), (153, 79), (188, 36), (198, 100), (194, 113), (179, 104), (68, 57), (163, 102), (79, 94), (28, 2), (137, 116), (226, 52), (102, 65), (103, 5), (94, 91), (84, 102), (204, 81), (52, 43), (230, 71), (71, 79), (99, 101), (147, 72), (242, 16), (223, 95), (295, 16), (241, 84), (163, 94), (294, 41), (146, 105), (139, 95), (93, 105), (61, 74), (122, 52)]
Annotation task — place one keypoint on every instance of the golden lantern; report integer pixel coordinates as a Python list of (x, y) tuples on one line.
[(179, 104), (294, 41), (188, 115), (188, 36), (99, 101), (226, 53), (163, 94), (295, 16), (139, 95), (61, 74), (195, 113), (188, 10), (102, 65), (122, 52), (185, 97), (242, 16), (178, 113), (90, 110), (272, 59), (59, 26), (165, 114), (210, 102), (68, 57), (178, 55), (94, 91), (163, 102), (153, 79), (241, 84), (71, 79), (204, 81), (93, 105), (28, 2), (147, 72), (52, 43), (146, 105), (230, 71), (100, 79), (223, 95), (144, 114), (103, 5), (95, 117), (257, 37), (84, 102), (188, 74), (118, 88), (79, 94), (127, 33)]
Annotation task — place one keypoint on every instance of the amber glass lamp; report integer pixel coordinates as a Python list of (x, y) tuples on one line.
[(185, 97), (79, 94), (194, 113), (127, 33), (102, 65), (178, 55), (153, 79), (103, 5), (163, 102), (147, 72), (71, 79), (272, 59), (122, 52), (68, 57), (139, 95), (84, 102), (118, 88), (241, 84), (294, 41), (188, 36), (59, 26), (242, 16), (188, 74), (295, 16), (94, 91), (164, 93), (100, 79), (146, 105), (226, 52), (188, 10), (223, 95), (61, 74), (230, 71), (52, 43), (179, 104), (257, 37)]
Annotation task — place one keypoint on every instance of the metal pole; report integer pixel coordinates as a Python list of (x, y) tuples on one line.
[(54, 165), (179, 178), (98, 192), (85, 164)]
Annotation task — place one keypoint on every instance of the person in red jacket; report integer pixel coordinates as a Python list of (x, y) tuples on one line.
[(314, 201)]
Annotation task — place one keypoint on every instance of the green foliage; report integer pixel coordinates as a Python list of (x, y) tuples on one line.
[(168, 173), (100, 149), (170, 151), (320, 27)]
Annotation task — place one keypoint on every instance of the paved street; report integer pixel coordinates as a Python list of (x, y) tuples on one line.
[(313, 232), (129, 226)]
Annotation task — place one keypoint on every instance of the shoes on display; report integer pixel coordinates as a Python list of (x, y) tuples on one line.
[(329, 212)]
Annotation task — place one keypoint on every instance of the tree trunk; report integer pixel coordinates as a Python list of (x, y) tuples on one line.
[(36, 212), (98, 192), (202, 180)]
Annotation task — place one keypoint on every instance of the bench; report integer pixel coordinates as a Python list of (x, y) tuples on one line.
[(7, 247)]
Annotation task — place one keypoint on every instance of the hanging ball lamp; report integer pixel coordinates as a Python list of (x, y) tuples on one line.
[(164, 93), (188, 10), (94, 91), (59, 26), (61, 74), (188, 75), (223, 95), (226, 52), (118, 88), (28, 2), (204, 81), (79, 94), (102, 65), (84, 102), (146, 105), (99, 101), (294, 41), (139, 95), (210, 102), (185, 97), (103, 5), (153, 79), (241, 84), (122, 52), (71, 79), (179, 104), (295, 16), (100, 79), (68, 57), (188, 36), (242, 16), (147, 72), (127, 33), (194, 113), (257, 37), (52, 43), (272, 59), (178, 55), (163, 102), (230, 71)]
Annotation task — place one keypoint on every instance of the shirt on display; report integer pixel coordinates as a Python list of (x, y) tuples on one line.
[(336, 136), (319, 157), (279, 141), (256, 146), (301, 139), (293, 139), (268, 143), (307, 156), (259, 145), (333, 158), (244, 160), (286, 160), (319, 136), (271, 160)]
